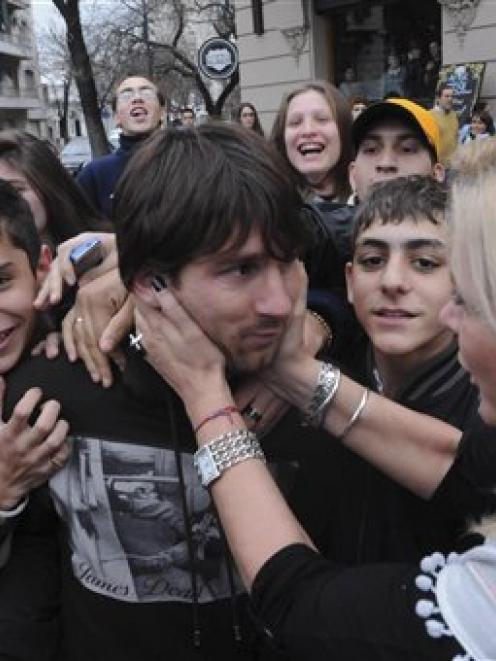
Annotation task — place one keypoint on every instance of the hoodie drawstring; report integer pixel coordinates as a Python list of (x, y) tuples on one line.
[(187, 524)]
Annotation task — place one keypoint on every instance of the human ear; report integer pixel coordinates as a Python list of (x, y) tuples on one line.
[(439, 172), (142, 287), (351, 177)]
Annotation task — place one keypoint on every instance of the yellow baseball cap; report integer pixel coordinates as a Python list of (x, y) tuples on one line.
[(404, 110)]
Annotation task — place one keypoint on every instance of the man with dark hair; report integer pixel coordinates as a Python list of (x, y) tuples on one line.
[(394, 138), (447, 121), (398, 280), (145, 569), (218, 157), (138, 106)]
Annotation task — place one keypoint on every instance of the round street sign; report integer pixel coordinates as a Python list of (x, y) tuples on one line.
[(218, 58)]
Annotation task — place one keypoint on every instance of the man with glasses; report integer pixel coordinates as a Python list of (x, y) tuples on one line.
[(138, 106)]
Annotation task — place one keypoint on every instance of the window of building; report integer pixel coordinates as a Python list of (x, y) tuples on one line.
[(29, 80), (386, 48)]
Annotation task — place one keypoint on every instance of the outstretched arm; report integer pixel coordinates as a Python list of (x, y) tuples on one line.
[(415, 450)]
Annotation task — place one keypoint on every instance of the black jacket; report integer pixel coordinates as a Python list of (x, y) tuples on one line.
[(143, 564), (99, 177), (321, 610)]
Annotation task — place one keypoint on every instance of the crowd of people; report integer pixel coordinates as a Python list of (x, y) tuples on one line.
[(266, 430), (412, 73)]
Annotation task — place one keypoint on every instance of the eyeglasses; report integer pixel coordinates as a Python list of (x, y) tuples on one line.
[(146, 93)]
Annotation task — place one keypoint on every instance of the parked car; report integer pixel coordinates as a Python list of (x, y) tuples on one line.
[(113, 138), (75, 154)]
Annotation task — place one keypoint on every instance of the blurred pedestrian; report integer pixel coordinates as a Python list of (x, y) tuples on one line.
[(247, 116)]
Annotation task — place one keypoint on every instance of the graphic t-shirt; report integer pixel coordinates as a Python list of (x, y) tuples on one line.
[(134, 531), (145, 570)]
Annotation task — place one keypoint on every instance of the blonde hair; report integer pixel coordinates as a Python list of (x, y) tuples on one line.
[(473, 242), (473, 221)]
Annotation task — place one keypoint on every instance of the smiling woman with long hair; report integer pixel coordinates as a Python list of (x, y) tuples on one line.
[(312, 130)]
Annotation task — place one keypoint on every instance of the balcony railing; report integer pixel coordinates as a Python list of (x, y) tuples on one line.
[(17, 39), (20, 4), (17, 93)]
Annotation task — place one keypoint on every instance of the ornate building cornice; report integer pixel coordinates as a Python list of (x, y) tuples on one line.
[(462, 14), (297, 39)]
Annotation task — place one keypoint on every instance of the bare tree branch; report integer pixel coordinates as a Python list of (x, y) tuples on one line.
[(83, 74), (147, 35)]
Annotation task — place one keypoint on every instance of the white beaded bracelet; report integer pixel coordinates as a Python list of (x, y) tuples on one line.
[(10, 514)]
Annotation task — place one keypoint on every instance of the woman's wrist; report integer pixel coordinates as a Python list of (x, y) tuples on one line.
[(218, 426), (200, 390), (212, 410)]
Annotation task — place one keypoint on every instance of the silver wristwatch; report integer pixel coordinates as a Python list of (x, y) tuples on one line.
[(218, 455)]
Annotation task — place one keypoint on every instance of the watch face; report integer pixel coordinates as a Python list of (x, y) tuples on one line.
[(207, 468)]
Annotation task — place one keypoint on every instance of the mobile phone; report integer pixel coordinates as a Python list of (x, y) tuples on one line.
[(86, 256), (159, 282)]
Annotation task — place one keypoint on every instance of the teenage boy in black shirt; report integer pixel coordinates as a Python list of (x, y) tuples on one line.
[(398, 281)]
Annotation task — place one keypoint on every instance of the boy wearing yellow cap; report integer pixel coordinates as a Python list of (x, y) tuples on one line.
[(394, 138)]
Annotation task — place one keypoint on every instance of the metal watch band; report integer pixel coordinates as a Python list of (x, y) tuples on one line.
[(212, 459)]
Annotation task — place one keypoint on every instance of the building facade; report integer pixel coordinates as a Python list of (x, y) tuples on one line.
[(365, 47), (21, 104)]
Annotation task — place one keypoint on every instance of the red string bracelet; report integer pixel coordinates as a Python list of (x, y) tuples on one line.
[(226, 412)]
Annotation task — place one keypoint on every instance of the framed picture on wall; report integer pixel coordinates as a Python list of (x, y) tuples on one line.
[(466, 81)]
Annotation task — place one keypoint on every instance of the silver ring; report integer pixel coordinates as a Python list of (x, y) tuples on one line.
[(135, 342), (252, 413)]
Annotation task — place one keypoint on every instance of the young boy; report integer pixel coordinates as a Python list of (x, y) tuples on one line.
[(28, 455), (398, 281)]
